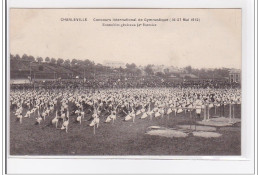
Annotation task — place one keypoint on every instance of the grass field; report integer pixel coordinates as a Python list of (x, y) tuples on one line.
[(120, 138)]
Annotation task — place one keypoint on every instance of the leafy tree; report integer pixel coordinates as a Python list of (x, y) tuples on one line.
[(31, 58), (39, 59), (60, 61), (12, 57), (74, 62), (127, 65), (88, 63), (80, 63), (25, 57), (130, 66), (99, 65), (17, 57), (53, 60), (47, 59), (148, 69), (188, 69), (67, 63), (138, 72), (133, 66)]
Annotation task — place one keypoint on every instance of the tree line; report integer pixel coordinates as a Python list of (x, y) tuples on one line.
[(88, 66)]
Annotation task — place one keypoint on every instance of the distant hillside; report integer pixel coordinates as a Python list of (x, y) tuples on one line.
[(51, 68), (21, 69)]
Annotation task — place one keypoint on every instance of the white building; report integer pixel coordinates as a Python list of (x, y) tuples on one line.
[(235, 75), (114, 64)]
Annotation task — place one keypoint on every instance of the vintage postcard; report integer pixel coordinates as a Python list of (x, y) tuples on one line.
[(125, 82)]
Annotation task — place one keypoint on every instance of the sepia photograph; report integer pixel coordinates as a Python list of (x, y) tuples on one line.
[(125, 82)]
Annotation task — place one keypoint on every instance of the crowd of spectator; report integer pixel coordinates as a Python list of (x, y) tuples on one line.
[(126, 82)]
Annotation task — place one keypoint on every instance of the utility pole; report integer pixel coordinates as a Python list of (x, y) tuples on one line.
[(94, 73), (84, 78), (30, 73), (34, 82)]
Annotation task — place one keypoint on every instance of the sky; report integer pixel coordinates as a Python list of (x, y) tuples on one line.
[(213, 42)]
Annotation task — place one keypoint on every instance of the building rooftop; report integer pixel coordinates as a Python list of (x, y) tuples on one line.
[(188, 75), (235, 71)]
